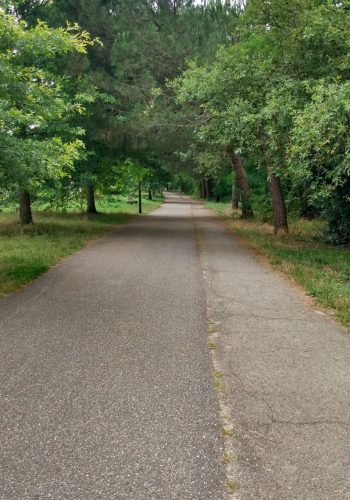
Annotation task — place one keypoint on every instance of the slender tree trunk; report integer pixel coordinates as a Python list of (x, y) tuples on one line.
[(25, 211), (140, 198), (278, 206), (90, 199), (280, 221), (210, 188), (235, 196), (150, 195), (202, 188), (242, 185), (207, 188)]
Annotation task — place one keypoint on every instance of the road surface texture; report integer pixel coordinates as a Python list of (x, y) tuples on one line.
[(106, 378), (286, 374)]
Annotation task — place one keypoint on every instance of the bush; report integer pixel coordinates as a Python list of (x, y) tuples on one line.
[(337, 215)]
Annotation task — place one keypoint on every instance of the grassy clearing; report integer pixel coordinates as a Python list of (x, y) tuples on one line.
[(322, 270), (28, 251)]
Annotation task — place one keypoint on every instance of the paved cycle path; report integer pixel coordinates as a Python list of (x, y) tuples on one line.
[(286, 374), (106, 379), (106, 383)]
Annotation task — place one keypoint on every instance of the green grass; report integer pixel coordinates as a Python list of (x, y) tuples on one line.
[(28, 251), (322, 270), (227, 432), (219, 384), (212, 345), (227, 458), (232, 485)]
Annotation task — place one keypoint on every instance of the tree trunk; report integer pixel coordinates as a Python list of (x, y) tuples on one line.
[(278, 206), (206, 188), (242, 186), (202, 188), (25, 211), (150, 195), (140, 198), (90, 198), (235, 196)]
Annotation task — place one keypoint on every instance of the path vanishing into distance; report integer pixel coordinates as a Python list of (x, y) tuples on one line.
[(107, 379)]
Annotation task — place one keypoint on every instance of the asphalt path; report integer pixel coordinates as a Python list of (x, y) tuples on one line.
[(106, 379), (286, 371)]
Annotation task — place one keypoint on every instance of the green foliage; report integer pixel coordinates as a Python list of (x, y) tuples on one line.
[(179, 88), (34, 104), (184, 183), (128, 109), (279, 97), (337, 212), (319, 155), (222, 189)]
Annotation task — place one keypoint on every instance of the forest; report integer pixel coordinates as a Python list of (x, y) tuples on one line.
[(245, 104), (216, 98)]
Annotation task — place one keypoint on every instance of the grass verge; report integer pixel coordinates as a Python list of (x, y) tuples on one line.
[(28, 251), (322, 270)]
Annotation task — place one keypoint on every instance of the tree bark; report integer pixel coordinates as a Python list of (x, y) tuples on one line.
[(140, 198), (280, 221), (90, 199), (235, 196), (206, 188), (242, 186), (202, 188), (150, 195), (25, 211)]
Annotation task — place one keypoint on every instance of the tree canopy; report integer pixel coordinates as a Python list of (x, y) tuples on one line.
[(253, 94)]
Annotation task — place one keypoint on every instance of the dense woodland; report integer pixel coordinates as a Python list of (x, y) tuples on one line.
[(240, 101)]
